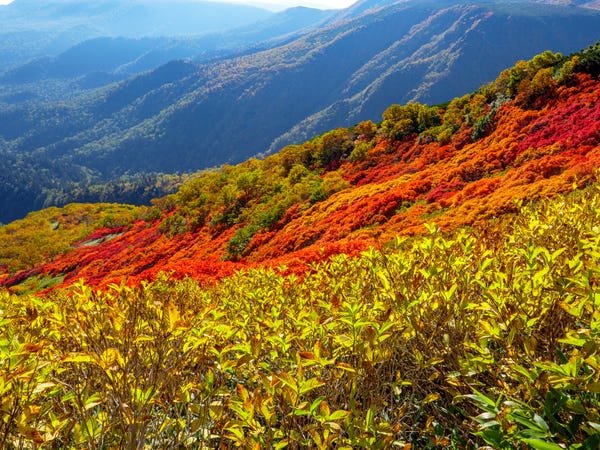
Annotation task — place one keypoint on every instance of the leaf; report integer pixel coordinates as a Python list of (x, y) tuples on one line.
[(314, 405), (538, 444), (593, 388), (41, 387), (595, 426), (541, 423), (307, 355), (337, 415), (450, 292), (310, 384), (485, 416), (173, 315), (572, 339), (346, 367), (32, 348), (431, 398), (370, 416), (79, 358), (93, 401), (333, 426), (110, 358), (216, 410), (482, 398), (242, 392)]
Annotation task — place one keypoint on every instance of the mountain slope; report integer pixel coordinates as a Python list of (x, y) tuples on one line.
[(444, 336), (121, 57), (352, 188), (483, 337)]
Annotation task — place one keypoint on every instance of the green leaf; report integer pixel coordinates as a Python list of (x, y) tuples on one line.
[(595, 426), (480, 398), (314, 405), (337, 415), (538, 444)]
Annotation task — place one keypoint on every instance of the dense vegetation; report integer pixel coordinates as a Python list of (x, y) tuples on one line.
[(480, 336), (184, 117), (55, 230)]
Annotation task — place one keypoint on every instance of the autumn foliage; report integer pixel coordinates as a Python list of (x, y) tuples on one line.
[(532, 133), (477, 337)]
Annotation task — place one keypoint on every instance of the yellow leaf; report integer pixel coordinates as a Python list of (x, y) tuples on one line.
[(33, 410), (110, 358), (216, 409), (346, 367), (431, 398), (79, 358), (173, 314)]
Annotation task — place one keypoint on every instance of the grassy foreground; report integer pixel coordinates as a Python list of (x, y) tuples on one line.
[(479, 337)]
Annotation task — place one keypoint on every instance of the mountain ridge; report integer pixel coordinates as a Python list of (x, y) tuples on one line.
[(36, 30)]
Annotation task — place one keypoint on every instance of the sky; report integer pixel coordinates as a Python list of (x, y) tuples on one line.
[(313, 3), (331, 4)]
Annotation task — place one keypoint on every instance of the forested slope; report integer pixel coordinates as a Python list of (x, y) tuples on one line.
[(183, 117)]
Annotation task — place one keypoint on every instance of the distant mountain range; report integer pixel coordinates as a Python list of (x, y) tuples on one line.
[(31, 28), (100, 61), (289, 77)]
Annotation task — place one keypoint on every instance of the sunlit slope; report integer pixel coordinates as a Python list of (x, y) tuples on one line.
[(183, 116)]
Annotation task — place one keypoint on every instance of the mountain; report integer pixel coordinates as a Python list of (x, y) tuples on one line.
[(530, 134), (104, 60), (35, 29), (186, 116), (427, 282)]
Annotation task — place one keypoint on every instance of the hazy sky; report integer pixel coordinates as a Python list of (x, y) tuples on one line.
[(320, 3)]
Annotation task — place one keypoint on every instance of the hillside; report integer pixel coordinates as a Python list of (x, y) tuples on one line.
[(472, 322), (184, 117), (532, 133)]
